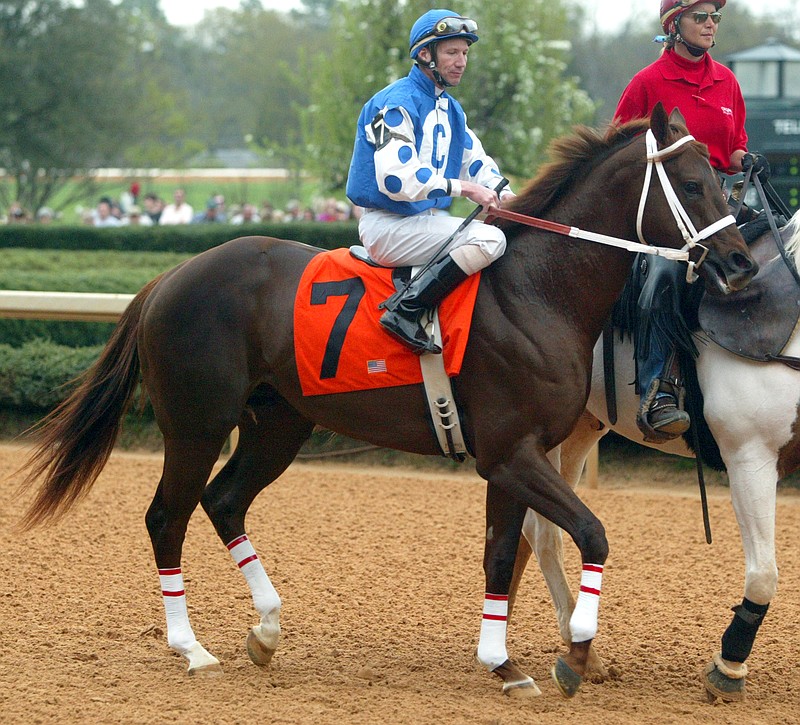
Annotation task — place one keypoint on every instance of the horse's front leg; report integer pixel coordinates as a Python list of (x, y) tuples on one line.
[(753, 493), (504, 516), (530, 480)]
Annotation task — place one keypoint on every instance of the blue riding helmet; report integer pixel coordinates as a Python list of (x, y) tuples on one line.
[(439, 25)]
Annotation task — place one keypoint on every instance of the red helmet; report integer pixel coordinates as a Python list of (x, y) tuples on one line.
[(671, 9)]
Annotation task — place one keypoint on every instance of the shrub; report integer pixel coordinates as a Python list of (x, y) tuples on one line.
[(39, 375), (189, 238)]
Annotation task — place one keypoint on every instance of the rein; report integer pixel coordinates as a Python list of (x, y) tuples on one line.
[(690, 235)]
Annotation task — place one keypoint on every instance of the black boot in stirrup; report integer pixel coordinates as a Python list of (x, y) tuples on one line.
[(404, 321)]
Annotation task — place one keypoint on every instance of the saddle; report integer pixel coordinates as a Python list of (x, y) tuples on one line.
[(757, 322), (444, 413)]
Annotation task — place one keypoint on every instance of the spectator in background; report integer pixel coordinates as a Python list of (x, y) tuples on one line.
[(135, 218), (153, 206), (16, 214), (45, 215), (129, 198), (328, 213), (267, 211), (248, 215), (221, 213), (179, 212), (103, 214), (293, 211), (210, 215)]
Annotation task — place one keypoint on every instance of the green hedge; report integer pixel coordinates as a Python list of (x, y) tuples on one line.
[(74, 271), (191, 238), (38, 375)]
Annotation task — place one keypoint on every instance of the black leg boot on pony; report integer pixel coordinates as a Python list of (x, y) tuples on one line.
[(404, 321)]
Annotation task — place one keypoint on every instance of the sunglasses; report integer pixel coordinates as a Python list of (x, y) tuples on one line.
[(446, 26), (701, 16)]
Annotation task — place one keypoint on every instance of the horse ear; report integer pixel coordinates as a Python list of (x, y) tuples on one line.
[(676, 117), (659, 124)]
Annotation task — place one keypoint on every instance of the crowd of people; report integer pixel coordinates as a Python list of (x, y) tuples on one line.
[(133, 208)]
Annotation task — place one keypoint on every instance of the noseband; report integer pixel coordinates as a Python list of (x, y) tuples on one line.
[(690, 235)]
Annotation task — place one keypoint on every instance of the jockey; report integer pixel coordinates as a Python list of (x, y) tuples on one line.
[(709, 98), (413, 153)]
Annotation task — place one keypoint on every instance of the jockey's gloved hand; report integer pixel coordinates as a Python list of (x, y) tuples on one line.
[(759, 163)]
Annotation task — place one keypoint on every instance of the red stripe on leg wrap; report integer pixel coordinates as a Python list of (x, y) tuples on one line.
[(236, 541), (169, 572), (497, 597), (247, 560), (589, 590), (593, 567), (496, 617)]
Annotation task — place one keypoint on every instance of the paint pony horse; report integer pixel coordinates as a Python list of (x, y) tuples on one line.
[(214, 341), (752, 411)]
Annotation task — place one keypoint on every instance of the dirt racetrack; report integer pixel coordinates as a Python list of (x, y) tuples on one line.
[(382, 587)]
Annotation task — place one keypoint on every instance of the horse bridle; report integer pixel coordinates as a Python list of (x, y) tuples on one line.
[(690, 235)]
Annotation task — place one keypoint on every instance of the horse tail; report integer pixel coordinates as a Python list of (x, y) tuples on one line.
[(76, 439)]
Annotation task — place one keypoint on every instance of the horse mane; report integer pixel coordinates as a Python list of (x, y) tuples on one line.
[(793, 245), (570, 158)]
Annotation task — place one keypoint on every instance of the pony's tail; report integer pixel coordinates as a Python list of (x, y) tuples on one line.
[(76, 439)]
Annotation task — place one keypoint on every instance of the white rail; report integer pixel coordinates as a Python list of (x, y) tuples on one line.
[(74, 306)]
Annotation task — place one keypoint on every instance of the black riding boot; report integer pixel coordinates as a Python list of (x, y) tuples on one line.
[(404, 322)]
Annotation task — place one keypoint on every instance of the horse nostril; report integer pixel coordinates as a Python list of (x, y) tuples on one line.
[(743, 263)]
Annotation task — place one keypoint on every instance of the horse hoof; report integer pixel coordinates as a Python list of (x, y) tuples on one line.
[(206, 671), (516, 683), (257, 651), (201, 662), (721, 687), (567, 680)]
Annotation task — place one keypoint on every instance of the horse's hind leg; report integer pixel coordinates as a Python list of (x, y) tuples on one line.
[(270, 435), (187, 466)]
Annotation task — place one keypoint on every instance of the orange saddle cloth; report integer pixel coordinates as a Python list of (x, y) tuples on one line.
[(338, 343)]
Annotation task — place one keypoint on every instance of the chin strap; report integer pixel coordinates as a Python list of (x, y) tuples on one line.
[(431, 66), (693, 49)]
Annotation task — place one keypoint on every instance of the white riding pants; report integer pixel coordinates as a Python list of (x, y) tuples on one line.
[(394, 240)]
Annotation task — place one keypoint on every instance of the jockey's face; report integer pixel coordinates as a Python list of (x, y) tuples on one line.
[(451, 59)]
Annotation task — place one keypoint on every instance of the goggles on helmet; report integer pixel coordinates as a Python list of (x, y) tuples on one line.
[(448, 27)]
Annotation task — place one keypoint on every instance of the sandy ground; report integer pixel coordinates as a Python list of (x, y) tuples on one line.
[(380, 575)]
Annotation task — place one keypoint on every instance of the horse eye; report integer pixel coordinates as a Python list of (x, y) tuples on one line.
[(692, 187)]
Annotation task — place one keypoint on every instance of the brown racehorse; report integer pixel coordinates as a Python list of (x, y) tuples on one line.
[(213, 339)]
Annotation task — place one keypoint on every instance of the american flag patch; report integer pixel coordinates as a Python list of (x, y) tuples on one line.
[(376, 366)]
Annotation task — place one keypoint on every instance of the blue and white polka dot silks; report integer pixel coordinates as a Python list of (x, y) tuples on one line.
[(431, 148)]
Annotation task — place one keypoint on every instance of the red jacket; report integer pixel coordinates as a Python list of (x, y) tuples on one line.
[(707, 94)]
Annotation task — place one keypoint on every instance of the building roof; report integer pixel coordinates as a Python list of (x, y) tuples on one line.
[(772, 50)]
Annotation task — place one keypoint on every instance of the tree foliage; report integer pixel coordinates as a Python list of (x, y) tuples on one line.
[(111, 83), (516, 93), (70, 93)]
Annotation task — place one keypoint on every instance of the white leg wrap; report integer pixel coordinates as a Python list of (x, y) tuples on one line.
[(492, 644), (583, 624), (180, 636), (265, 596)]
